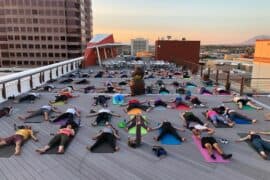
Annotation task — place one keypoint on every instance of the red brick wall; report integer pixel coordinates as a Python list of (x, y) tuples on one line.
[(180, 52)]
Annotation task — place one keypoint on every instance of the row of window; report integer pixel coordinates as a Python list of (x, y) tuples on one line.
[(26, 62), (37, 55), (36, 38), (36, 21), (46, 3), (33, 29), (42, 12)]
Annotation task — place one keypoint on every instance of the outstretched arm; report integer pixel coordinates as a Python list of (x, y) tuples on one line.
[(116, 115), (243, 139), (33, 136), (157, 127), (92, 115), (264, 133)]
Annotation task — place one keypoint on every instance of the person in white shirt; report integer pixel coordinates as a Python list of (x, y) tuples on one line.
[(69, 117), (42, 111)]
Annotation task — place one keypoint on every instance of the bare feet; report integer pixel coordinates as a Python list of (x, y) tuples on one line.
[(117, 148), (21, 118), (254, 120), (40, 151)]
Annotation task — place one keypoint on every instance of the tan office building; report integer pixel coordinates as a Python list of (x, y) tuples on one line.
[(261, 66), (41, 32)]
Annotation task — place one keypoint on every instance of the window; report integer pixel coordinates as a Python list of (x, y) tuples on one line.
[(11, 46), (2, 21), (36, 38), (63, 38), (38, 55), (42, 21), (35, 21), (56, 46), (63, 55), (18, 46), (35, 29), (29, 21), (37, 46), (63, 47), (50, 54), (3, 38), (44, 54), (5, 54), (49, 38), (19, 54), (24, 46), (2, 29), (56, 38), (12, 54), (43, 38), (43, 30), (49, 30), (55, 30), (56, 54), (23, 38), (31, 55), (25, 55), (50, 46), (34, 12), (49, 21), (23, 29), (25, 62), (30, 38), (44, 46), (29, 29), (31, 46), (3, 46), (16, 29), (10, 37), (17, 38)]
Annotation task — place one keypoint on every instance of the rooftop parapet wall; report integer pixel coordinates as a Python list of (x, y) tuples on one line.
[(22, 82)]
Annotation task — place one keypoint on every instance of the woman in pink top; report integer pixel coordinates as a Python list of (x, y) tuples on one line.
[(215, 118), (62, 137)]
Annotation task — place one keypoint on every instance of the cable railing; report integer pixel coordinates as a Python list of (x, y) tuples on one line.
[(22, 82)]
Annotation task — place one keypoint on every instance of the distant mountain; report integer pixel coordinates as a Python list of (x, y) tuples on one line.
[(252, 41)]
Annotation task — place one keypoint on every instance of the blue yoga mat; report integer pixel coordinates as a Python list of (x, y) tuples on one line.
[(169, 139), (241, 121), (163, 92), (118, 99)]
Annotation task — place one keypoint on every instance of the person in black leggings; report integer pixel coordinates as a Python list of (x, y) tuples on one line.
[(83, 81), (108, 134), (261, 145), (189, 117), (101, 100), (28, 97), (60, 98), (167, 128), (210, 144), (66, 81), (61, 139)]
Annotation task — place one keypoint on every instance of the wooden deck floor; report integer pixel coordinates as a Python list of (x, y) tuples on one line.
[(183, 162)]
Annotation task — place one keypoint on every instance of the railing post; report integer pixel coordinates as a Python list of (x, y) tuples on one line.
[(4, 94), (209, 72), (57, 71), (62, 69), (19, 87), (50, 74), (201, 70), (228, 85), (217, 74), (31, 82), (242, 86)]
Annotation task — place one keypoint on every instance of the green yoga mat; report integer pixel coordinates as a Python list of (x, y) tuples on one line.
[(247, 108), (133, 131), (122, 124)]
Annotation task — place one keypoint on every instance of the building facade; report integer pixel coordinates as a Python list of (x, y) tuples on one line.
[(185, 53), (261, 66), (41, 32), (139, 45)]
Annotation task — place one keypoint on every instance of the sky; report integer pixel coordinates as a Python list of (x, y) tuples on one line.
[(210, 21)]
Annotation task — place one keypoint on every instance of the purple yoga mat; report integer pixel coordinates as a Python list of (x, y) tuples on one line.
[(61, 122), (205, 154)]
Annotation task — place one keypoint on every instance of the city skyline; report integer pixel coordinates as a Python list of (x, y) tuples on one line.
[(212, 22)]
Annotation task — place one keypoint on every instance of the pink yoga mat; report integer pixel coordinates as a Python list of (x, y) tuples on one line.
[(183, 107), (207, 94), (205, 154)]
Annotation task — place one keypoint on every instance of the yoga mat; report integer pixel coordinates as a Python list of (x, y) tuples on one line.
[(118, 100), (160, 108), (207, 94), (62, 122), (182, 107), (34, 120), (61, 103), (241, 121), (164, 93), (133, 131), (103, 148), (122, 124), (7, 151), (205, 154), (247, 108), (241, 135), (190, 87), (169, 139), (135, 111)]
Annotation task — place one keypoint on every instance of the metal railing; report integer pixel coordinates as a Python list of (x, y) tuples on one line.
[(22, 82)]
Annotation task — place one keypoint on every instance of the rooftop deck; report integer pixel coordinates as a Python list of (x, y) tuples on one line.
[(183, 162)]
